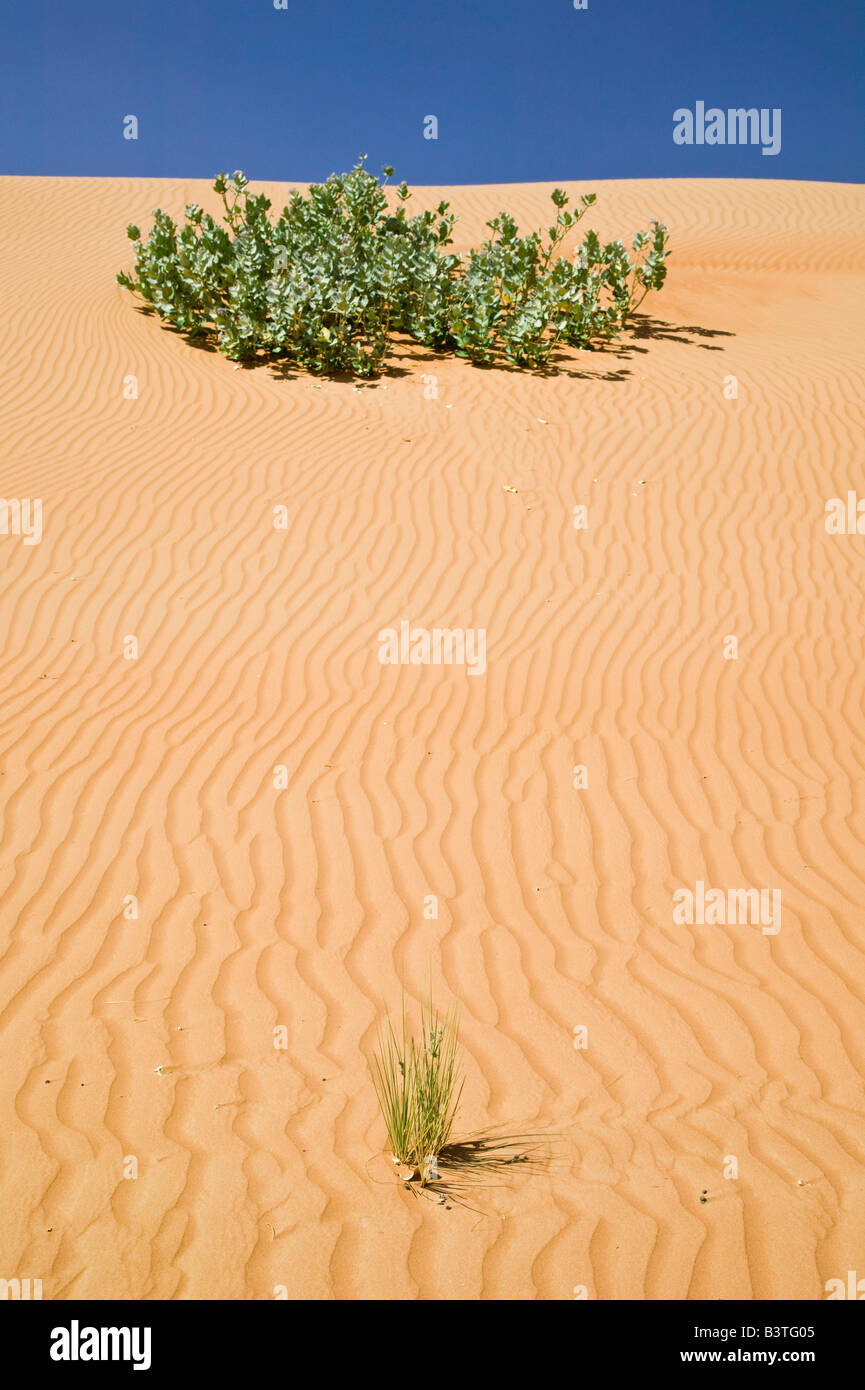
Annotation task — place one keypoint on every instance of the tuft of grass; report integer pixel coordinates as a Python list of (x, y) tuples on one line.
[(418, 1084), (392, 1079)]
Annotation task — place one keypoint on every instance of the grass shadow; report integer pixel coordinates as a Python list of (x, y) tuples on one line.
[(484, 1160)]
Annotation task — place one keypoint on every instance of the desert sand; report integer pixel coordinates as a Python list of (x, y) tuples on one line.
[(156, 1143)]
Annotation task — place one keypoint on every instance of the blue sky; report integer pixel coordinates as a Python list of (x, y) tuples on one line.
[(522, 90)]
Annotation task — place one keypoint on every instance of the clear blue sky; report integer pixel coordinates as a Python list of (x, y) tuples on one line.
[(523, 90)]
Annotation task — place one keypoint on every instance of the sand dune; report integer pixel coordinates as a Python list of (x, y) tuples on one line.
[(150, 1041)]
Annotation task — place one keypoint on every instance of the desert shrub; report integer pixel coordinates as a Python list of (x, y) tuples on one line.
[(327, 285)]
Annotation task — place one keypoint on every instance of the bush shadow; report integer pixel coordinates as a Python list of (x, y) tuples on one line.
[(640, 328), (645, 326)]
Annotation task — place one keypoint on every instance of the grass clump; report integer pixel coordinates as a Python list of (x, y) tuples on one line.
[(418, 1085), (327, 285)]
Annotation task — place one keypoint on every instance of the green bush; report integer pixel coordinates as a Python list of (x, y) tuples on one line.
[(329, 283)]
